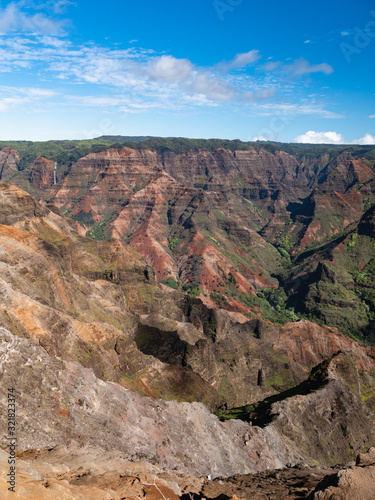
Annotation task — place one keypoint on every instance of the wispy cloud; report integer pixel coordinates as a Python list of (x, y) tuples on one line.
[(240, 61), (302, 67), (138, 78), (15, 19), (299, 68), (313, 108), (14, 97), (55, 6)]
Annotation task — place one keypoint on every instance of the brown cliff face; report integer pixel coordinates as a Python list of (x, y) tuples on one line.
[(9, 159), (137, 196), (308, 344), (222, 225), (337, 203), (40, 173)]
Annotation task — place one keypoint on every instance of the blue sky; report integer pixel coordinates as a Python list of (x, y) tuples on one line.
[(284, 71)]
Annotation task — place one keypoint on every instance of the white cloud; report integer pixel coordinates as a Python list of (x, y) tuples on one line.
[(54, 6), (12, 19), (262, 95), (53, 41), (372, 116), (13, 97), (313, 108), (179, 79), (312, 137), (272, 66), (302, 67), (155, 80), (112, 104), (240, 61), (260, 138), (7, 103), (368, 139), (211, 87), (61, 6), (170, 69)]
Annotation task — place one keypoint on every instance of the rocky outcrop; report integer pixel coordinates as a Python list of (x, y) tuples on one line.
[(88, 333), (60, 404), (208, 221), (330, 414), (68, 403), (9, 159), (354, 483), (367, 223), (17, 206), (308, 344), (39, 174), (91, 474)]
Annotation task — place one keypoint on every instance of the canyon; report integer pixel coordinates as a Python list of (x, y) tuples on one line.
[(170, 313)]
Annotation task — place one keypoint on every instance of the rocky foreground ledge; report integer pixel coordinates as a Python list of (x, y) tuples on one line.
[(83, 474), (81, 437)]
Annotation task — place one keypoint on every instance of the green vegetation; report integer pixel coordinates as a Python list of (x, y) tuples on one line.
[(181, 145), (193, 290), (171, 283), (259, 413), (65, 153), (219, 299), (173, 242), (84, 218), (98, 233)]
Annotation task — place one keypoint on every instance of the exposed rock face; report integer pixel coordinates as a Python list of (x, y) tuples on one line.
[(68, 403), (91, 301), (318, 344), (17, 206), (208, 222), (63, 293), (334, 421), (156, 201), (60, 403), (91, 474), (367, 223), (88, 332), (330, 415), (9, 159), (354, 483), (40, 173), (291, 483), (81, 474)]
